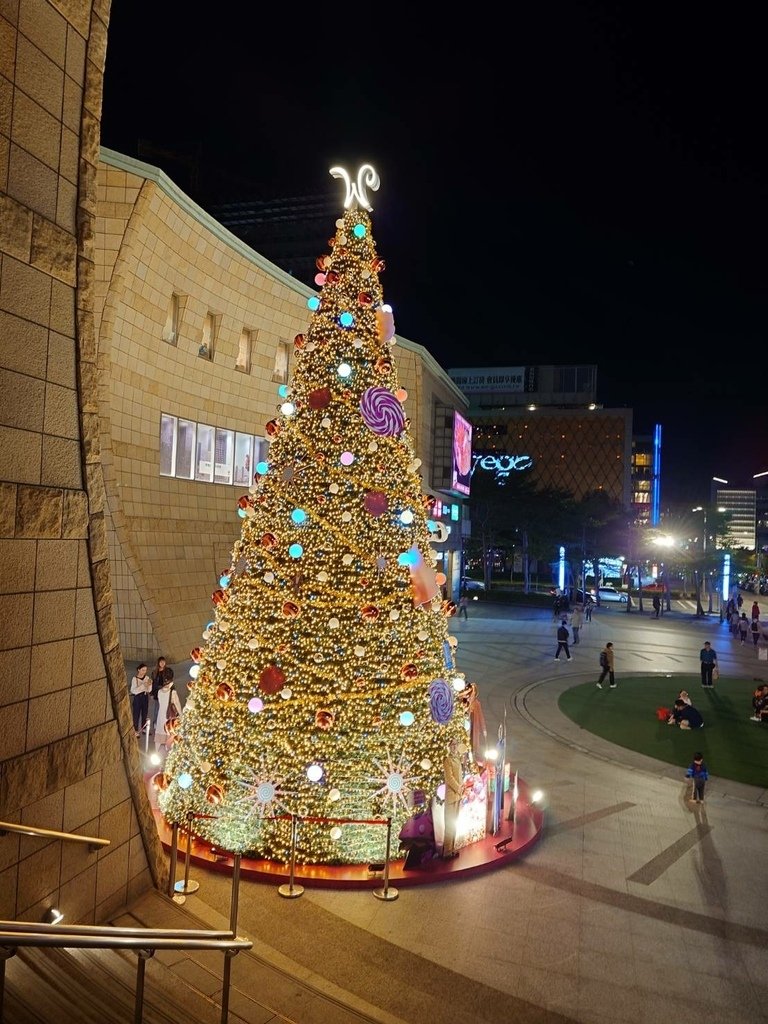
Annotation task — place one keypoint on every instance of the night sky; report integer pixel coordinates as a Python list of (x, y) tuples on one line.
[(584, 185)]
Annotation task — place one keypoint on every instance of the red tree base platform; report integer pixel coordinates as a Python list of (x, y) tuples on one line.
[(512, 840)]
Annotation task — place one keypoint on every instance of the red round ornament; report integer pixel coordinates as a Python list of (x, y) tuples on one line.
[(320, 398), (161, 781), (365, 299), (272, 679), (245, 501), (323, 262), (219, 597), (375, 503), (409, 671), (300, 340), (378, 265), (272, 428), (332, 277), (224, 692), (383, 364), (369, 612), (291, 610), (268, 540), (195, 654)]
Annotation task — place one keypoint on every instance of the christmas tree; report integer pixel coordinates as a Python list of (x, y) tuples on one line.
[(325, 685)]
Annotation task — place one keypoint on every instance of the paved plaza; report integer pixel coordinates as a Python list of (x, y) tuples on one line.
[(636, 907)]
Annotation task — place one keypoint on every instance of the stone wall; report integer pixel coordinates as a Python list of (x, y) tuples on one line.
[(68, 758)]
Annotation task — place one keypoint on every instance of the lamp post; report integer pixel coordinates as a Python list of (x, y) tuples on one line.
[(699, 609)]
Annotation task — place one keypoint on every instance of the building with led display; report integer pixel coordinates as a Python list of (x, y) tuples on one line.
[(545, 421)]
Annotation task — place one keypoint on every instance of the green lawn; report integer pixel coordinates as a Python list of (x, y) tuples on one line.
[(733, 746)]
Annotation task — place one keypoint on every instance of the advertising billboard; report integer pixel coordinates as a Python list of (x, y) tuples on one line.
[(461, 466)]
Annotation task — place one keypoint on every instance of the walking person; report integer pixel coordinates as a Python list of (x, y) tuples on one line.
[(708, 659), (141, 684), (577, 618), (756, 611), (463, 606), (562, 640), (734, 623), (743, 627), (754, 628), (606, 667), (588, 610), (697, 770), (656, 605)]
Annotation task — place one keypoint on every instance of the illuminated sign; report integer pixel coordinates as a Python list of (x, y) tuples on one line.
[(492, 379), (461, 465), (502, 465)]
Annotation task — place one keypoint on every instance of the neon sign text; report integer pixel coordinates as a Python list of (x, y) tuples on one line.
[(501, 465)]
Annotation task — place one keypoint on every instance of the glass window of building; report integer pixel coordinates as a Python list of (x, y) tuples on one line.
[(167, 445), (204, 461), (224, 456), (185, 449), (243, 458)]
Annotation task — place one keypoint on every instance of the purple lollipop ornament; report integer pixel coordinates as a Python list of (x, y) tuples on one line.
[(440, 701), (382, 412)]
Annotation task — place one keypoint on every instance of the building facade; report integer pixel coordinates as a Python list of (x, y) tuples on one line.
[(544, 421)]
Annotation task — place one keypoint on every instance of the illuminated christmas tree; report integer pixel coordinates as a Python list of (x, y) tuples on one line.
[(325, 686)]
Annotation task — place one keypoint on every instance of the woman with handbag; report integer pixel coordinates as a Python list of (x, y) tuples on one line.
[(168, 707)]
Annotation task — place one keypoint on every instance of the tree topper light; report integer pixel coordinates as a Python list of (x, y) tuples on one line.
[(356, 191)]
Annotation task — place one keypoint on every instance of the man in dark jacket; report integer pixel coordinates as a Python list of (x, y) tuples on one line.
[(686, 716), (562, 640)]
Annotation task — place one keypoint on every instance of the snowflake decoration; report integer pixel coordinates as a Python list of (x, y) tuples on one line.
[(262, 795), (396, 782)]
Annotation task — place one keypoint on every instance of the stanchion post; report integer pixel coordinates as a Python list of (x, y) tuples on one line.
[(235, 899), (387, 892), (187, 887), (174, 858), (225, 983), (291, 891), (138, 1003)]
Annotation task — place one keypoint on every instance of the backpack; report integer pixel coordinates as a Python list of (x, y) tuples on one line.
[(603, 660), (562, 633)]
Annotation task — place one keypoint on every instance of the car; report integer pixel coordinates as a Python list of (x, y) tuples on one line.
[(468, 584), (578, 597), (607, 594)]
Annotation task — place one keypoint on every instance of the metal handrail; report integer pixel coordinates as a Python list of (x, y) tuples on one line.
[(49, 833), (15, 934), (33, 928), (69, 940)]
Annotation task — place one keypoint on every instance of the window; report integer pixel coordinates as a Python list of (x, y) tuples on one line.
[(167, 445), (280, 373), (243, 458), (243, 361), (196, 451), (171, 329), (185, 449), (204, 462), (208, 338), (224, 456)]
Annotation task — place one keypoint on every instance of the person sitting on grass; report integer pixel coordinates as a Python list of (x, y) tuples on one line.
[(686, 716), (760, 704)]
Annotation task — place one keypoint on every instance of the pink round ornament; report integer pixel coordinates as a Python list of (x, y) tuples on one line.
[(347, 458)]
